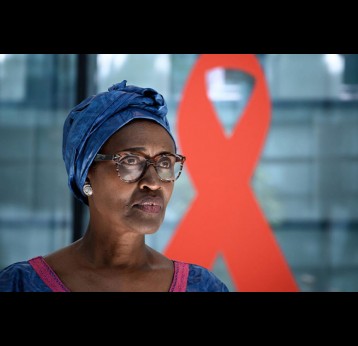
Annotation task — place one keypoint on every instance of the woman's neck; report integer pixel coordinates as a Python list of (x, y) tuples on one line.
[(125, 250)]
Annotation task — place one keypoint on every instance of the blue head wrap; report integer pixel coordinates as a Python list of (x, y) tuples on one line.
[(90, 124)]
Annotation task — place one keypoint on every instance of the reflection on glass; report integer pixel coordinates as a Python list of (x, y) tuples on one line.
[(12, 76)]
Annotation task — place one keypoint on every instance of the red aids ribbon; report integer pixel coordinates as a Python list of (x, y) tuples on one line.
[(224, 217)]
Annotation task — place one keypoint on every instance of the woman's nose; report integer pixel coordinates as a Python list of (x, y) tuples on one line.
[(150, 178)]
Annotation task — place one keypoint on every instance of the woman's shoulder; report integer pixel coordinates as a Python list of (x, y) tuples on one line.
[(19, 277), (16, 268), (201, 279), (12, 276)]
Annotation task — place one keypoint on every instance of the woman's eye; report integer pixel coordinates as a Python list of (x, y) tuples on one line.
[(130, 160), (165, 163)]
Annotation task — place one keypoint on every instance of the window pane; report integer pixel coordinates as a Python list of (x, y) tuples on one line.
[(36, 93)]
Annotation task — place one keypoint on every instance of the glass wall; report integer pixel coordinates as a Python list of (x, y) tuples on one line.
[(36, 92), (306, 179), (310, 163)]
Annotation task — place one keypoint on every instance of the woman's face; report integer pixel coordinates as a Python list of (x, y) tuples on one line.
[(138, 206)]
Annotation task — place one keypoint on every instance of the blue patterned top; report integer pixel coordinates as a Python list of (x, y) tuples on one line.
[(36, 275)]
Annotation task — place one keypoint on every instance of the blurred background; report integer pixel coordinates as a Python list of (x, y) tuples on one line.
[(306, 181)]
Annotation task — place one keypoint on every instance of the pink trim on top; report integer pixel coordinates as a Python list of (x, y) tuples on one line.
[(180, 278), (47, 275)]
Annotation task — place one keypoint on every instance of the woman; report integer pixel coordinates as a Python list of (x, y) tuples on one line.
[(121, 161)]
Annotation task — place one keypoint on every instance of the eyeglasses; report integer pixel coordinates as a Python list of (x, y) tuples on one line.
[(131, 167)]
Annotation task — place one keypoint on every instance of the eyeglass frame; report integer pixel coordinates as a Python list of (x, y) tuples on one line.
[(148, 161)]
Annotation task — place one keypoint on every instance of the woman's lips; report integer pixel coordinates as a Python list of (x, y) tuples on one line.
[(149, 204), (148, 208)]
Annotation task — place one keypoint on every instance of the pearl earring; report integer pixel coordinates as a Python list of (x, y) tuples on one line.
[(87, 189)]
